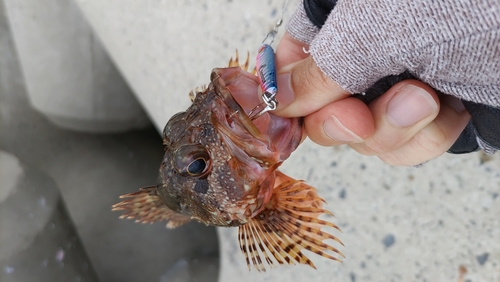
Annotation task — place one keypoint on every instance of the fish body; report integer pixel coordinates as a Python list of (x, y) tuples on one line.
[(221, 168)]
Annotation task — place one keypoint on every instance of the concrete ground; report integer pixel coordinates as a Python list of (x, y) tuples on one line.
[(438, 222)]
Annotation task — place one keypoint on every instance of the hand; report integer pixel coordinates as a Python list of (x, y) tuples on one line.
[(407, 125)]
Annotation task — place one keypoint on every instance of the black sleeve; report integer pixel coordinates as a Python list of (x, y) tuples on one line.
[(485, 120), (484, 124), (317, 11)]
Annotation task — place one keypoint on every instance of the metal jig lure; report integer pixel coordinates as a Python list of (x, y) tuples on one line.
[(266, 71)]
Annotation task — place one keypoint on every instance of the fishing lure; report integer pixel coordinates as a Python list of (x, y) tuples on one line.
[(266, 71)]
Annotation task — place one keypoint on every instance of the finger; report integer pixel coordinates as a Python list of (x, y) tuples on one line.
[(303, 89), (435, 139), (399, 114), (344, 121), (289, 50)]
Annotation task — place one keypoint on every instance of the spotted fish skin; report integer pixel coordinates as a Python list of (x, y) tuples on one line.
[(221, 168)]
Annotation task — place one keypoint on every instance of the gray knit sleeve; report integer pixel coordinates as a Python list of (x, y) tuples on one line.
[(300, 27), (454, 46)]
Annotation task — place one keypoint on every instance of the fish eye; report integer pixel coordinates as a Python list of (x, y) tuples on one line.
[(192, 160), (197, 166)]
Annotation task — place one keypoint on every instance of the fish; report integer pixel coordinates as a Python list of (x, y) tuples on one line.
[(221, 168)]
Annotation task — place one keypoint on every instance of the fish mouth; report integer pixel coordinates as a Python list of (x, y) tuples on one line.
[(285, 133)]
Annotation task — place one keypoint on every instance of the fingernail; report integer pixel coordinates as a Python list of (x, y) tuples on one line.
[(285, 92), (337, 131), (410, 105)]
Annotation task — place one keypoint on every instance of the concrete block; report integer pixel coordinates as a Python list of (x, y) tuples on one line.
[(39, 241), (69, 76), (92, 170)]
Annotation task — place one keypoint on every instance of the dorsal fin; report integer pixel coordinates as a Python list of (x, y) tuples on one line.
[(235, 63), (232, 63)]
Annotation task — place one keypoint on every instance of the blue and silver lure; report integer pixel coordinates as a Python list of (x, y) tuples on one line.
[(266, 71)]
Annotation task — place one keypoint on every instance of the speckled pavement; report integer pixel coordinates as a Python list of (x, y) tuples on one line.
[(398, 223), (438, 222)]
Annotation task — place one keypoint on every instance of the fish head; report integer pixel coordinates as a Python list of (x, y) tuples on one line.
[(219, 165)]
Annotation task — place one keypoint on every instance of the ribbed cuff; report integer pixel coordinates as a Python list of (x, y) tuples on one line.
[(353, 47), (300, 27)]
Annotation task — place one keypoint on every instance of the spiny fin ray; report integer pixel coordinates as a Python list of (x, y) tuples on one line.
[(236, 63), (144, 206), (232, 63), (193, 93), (286, 226)]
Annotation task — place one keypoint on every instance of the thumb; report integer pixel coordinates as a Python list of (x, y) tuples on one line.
[(303, 89)]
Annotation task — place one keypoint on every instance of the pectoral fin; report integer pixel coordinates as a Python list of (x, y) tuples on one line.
[(288, 224), (144, 206)]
